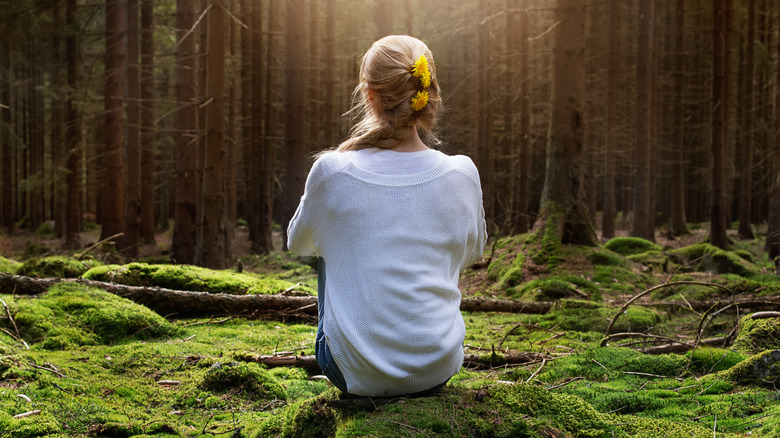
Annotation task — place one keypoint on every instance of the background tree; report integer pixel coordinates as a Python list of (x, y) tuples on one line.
[(563, 208), (719, 214)]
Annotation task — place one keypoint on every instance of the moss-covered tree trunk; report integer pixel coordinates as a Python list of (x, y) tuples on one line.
[(563, 197)]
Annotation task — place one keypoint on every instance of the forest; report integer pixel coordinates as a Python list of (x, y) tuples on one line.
[(153, 152)]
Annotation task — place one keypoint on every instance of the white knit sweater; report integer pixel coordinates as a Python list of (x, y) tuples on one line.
[(394, 246)]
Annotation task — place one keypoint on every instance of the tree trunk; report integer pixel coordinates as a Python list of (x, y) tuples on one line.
[(485, 149), (255, 194), (562, 201), (745, 152), (383, 17), (129, 243), (773, 231), (642, 155), (329, 109), (610, 147), (271, 132), (148, 137), (295, 111), (718, 206), (112, 195), (214, 246), (677, 225), (186, 153), (6, 151), (73, 163)]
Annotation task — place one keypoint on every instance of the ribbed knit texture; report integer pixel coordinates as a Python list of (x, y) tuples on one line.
[(394, 246)]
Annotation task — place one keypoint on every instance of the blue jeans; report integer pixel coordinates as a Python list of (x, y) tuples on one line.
[(322, 351)]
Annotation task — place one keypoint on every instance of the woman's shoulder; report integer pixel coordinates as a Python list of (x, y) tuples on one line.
[(462, 163)]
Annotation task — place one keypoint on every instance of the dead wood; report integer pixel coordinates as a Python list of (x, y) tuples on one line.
[(179, 304), (682, 347), (309, 362)]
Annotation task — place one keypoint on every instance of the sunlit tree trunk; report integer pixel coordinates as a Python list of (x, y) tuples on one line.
[(214, 246), (383, 17), (329, 128), (523, 198), (271, 132), (562, 200), (112, 195), (186, 128)]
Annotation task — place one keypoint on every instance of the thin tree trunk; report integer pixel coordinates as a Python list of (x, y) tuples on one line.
[(610, 148), (329, 128), (748, 109), (525, 157), (718, 207), (270, 134), (773, 231), (253, 155), (642, 155), (214, 247), (112, 196), (73, 212), (186, 152), (130, 241), (295, 111), (148, 137), (677, 225)]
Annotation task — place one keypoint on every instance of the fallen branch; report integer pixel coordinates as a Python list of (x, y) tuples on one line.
[(682, 347), (654, 288), (80, 255), (309, 362)]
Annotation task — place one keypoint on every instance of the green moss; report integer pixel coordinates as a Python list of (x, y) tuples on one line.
[(70, 315), (630, 245), (56, 266), (757, 335), (761, 369), (43, 424), (706, 360), (243, 379), (185, 277), (605, 257), (573, 315), (9, 266), (709, 258)]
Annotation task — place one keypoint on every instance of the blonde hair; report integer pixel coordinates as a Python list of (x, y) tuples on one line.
[(386, 70)]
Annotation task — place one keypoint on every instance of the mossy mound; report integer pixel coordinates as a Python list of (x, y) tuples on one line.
[(496, 411), (554, 288), (598, 364), (606, 257), (9, 266), (630, 245), (587, 316), (186, 277), (56, 266), (71, 315), (242, 379), (43, 424), (706, 360), (757, 335), (708, 258), (762, 369)]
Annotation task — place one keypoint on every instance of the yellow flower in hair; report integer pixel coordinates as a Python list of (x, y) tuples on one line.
[(419, 100), (421, 72)]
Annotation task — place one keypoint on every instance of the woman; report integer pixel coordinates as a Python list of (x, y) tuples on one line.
[(394, 223)]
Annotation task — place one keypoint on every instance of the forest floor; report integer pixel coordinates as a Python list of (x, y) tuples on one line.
[(78, 361)]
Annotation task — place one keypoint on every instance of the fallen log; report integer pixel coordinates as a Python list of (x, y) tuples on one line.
[(683, 347), (180, 304), (476, 361)]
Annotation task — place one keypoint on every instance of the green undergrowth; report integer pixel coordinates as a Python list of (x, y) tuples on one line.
[(9, 266), (191, 278)]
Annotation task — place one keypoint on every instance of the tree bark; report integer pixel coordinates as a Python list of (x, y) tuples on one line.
[(745, 152), (130, 241), (73, 163), (718, 205), (563, 192), (148, 137), (642, 155), (214, 247), (186, 128), (677, 225), (773, 231), (295, 111), (112, 197), (610, 147)]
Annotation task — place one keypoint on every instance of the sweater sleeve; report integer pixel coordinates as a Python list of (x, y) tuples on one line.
[(478, 236), (300, 231)]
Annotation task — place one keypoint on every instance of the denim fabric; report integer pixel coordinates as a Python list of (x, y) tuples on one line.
[(322, 351)]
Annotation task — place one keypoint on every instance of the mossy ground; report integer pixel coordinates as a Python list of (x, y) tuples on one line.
[(98, 365)]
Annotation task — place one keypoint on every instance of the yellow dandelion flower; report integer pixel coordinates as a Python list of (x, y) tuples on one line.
[(419, 100), (420, 71)]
